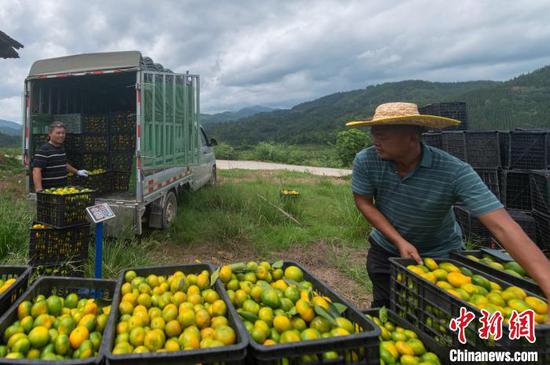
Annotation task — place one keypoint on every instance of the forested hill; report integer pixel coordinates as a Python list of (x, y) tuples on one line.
[(520, 102)]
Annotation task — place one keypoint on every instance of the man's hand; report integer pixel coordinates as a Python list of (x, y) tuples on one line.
[(407, 250), (82, 173)]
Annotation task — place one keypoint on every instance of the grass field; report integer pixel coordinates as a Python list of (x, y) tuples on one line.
[(240, 219), (309, 155)]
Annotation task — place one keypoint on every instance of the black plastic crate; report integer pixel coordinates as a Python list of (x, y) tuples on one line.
[(101, 290), (69, 268), (95, 124), (433, 139), (543, 231), (430, 308), (123, 142), (530, 149), (504, 143), (54, 245), (516, 192), (429, 343), (101, 182), (454, 110), (92, 161), (122, 122), (95, 143), (120, 181), (491, 178), (526, 222), (233, 354), (38, 140), (472, 228), (455, 144), (483, 149), (73, 143), (524, 283), (122, 161), (21, 274), (540, 190), (61, 211), (364, 344), (75, 159)]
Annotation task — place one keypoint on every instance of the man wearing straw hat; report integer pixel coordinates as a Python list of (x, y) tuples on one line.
[(406, 190)]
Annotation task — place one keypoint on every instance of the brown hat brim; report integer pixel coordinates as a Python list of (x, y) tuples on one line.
[(423, 120)]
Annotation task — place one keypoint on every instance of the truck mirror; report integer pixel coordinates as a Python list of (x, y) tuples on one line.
[(213, 142)]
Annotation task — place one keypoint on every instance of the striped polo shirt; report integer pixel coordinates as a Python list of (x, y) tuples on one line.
[(419, 205), (53, 162)]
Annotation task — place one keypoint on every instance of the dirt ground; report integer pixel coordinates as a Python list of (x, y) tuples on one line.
[(315, 258)]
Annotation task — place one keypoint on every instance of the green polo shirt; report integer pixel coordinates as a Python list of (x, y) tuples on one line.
[(419, 205)]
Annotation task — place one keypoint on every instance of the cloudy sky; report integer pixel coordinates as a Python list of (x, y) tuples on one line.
[(280, 53)]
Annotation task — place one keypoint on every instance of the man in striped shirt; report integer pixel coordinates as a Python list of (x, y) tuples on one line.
[(50, 161), (406, 189)]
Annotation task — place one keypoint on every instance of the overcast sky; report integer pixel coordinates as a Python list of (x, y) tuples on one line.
[(280, 53)]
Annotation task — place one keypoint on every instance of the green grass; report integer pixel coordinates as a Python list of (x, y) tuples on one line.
[(15, 220), (233, 213), (309, 155), (119, 255)]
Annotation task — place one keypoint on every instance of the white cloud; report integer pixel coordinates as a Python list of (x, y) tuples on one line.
[(279, 53)]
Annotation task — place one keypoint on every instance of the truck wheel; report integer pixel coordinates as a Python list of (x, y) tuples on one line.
[(170, 210), (213, 177)]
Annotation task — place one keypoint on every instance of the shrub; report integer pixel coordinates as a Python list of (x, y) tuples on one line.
[(224, 151), (348, 143)]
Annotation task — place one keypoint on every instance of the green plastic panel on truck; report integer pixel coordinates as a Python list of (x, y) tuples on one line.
[(170, 118)]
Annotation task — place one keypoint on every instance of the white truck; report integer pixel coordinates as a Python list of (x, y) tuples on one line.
[(126, 114)]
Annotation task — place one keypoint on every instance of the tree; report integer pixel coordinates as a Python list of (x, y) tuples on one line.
[(349, 142)]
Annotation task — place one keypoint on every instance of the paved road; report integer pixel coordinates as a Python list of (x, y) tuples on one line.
[(257, 165)]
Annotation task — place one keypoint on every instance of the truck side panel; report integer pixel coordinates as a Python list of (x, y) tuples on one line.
[(169, 126)]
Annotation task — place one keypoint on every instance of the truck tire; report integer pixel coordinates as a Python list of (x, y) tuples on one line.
[(170, 210), (213, 177)]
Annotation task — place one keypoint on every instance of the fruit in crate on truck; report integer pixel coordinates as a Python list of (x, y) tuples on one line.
[(401, 345), (39, 226), (96, 172), (512, 267), (4, 285), (479, 291), (66, 190), (55, 328), (171, 313), (278, 306)]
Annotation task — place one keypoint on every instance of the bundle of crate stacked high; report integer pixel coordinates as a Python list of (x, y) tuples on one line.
[(60, 236), (514, 166), (105, 147), (122, 146)]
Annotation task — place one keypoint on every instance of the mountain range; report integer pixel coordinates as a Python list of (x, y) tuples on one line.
[(228, 116), (519, 102), (10, 128)]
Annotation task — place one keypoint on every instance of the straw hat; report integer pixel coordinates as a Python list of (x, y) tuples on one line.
[(404, 114)]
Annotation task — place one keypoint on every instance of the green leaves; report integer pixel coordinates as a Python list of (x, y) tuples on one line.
[(383, 314), (278, 264), (326, 315), (215, 275)]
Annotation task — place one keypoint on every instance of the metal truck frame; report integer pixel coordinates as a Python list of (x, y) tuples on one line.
[(159, 177)]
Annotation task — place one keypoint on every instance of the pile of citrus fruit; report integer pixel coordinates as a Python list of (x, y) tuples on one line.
[(4, 285), (170, 313), (512, 267), (478, 290), (55, 328), (66, 190), (400, 345), (279, 306)]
